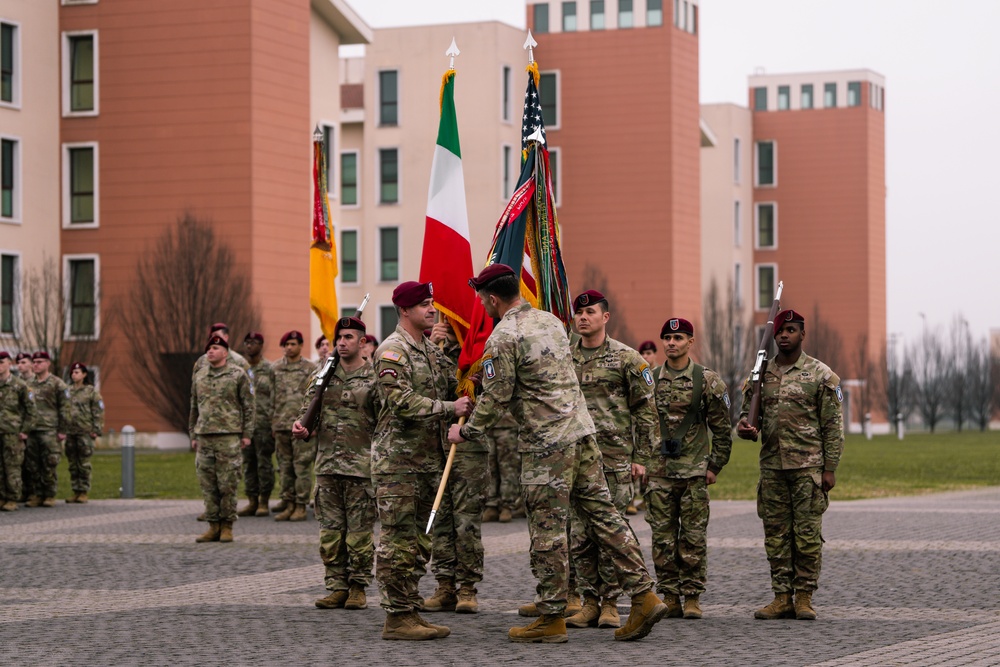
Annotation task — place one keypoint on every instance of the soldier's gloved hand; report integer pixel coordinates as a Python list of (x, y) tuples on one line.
[(463, 407)]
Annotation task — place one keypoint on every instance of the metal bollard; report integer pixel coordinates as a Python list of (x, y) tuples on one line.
[(899, 425), (868, 425), (127, 489)]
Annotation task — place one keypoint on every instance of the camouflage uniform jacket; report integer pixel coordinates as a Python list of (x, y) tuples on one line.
[(86, 410), (262, 376), (290, 383), (346, 422), (803, 426), (415, 382), (51, 404), (618, 386), (699, 453), (233, 358), (17, 406), (221, 402), (528, 372)]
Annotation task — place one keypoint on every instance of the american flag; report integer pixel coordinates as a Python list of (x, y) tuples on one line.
[(531, 118)]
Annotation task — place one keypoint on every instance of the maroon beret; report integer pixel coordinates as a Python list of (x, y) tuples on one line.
[(78, 366), (218, 326), (41, 354), (216, 340), (255, 335), (589, 298), (319, 341), (677, 325), (410, 293), (787, 316), (647, 345), (371, 339), (22, 355), (490, 273), (291, 335), (4, 354), (350, 323)]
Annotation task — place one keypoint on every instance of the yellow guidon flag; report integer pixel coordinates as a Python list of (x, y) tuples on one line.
[(322, 252)]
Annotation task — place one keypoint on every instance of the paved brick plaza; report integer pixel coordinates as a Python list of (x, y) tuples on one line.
[(907, 581)]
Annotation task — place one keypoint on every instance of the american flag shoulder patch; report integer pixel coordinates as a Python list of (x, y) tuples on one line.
[(389, 355)]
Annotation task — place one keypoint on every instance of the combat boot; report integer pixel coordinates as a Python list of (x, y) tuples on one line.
[(262, 508), (490, 514), (9, 506), (210, 535), (356, 598), (335, 600), (299, 514), (203, 516), (546, 629), (33, 501), (49, 502), (505, 515), (803, 606), (281, 506), (609, 614), (692, 608), (444, 598), (780, 607), (406, 626), (467, 603), (573, 604), (250, 509), (528, 610), (83, 498), (674, 609), (74, 499), (647, 610), (588, 614), (226, 531), (285, 513), (631, 510), (441, 630)]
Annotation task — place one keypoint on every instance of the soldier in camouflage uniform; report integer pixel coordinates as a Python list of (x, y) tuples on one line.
[(528, 371), (220, 424), (618, 386), (802, 439), (295, 457), (222, 330), (345, 500), (258, 458), (416, 382), (504, 490), (47, 434), (678, 476), (85, 424), (25, 372), (17, 412), (322, 351)]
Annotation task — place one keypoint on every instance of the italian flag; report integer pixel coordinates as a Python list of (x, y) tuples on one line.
[(447, 255)]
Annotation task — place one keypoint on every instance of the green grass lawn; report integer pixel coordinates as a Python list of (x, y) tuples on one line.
[(884, 466)]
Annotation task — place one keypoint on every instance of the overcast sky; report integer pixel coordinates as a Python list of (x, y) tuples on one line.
[(941, 61)]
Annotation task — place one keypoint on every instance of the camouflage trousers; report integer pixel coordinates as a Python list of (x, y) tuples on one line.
[(504, 488), (595, 572), (13, 457), (258, 465), (79, 449), (218, 466), (345, 509), (457, 551), (552, 483), (295, 461), (42, 460), (677, 513), (791, 504), (404, 502)]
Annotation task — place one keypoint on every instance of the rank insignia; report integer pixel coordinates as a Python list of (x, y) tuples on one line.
[(647, 375), (488, 367), (840, 394), (389, 355)]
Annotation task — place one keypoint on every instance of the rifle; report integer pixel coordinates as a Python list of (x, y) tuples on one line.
[(322, 381), (760, 364)]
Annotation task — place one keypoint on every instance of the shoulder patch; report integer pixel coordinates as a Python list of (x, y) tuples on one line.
[(388, 371), (489, 369), (67, 392), (100, 404), (840, 394), (250, 373), (389, 355), (725, 399), (647, 375), (31, 395)]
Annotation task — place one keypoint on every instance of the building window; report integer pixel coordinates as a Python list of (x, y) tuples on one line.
[(9, 179), (694, 19), (82, 72), (387, 318), (548, 96), (738, 285), (505, 83), (783, 98), (760, 99), (829, 95), (625, 14), (569, 16), (767, 227), (388, 170), (507, 155), (654, 13), (737, 166), (554, 173), (329, 153), (540, 18), (388, 248), (82, 319), (388, 97), (766, 163), (349, 179), (597, 14), (854, 94), (806, 101), (737, 224), (9, 288), (9, 82), (766, 282), (348, 252), (82, 185)]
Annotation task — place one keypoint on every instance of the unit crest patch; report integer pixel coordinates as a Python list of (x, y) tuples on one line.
[(490, 370), (840, 394)]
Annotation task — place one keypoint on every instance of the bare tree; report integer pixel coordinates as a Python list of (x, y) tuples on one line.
[(726, 344), (981, 375), (824, 343), (184, 281), (594, 278), (958, 372), (931, 377), (864, 371), (893, 386)]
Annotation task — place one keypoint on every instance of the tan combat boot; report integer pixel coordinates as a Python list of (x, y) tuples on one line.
[(356, 598), (803, 606), (528, 610), (573, 604), (547, 629), (250, 509), (467, 603), (262, 509), (75, 498), (780, 607), (210, 535), (82, 499), (281, 506), (505, 516), (335, 600), (692, 609), (647, 610), (444, 598), (609, 614), (299, 514), (226, 531), (405, 626), (9, 506), (33, 501), (490, 514), (441, 630), (203, 516), (285, 513), (49, 502), (588, 614), (674, 608)]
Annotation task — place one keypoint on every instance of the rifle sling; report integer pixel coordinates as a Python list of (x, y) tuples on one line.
[(698, 378)]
